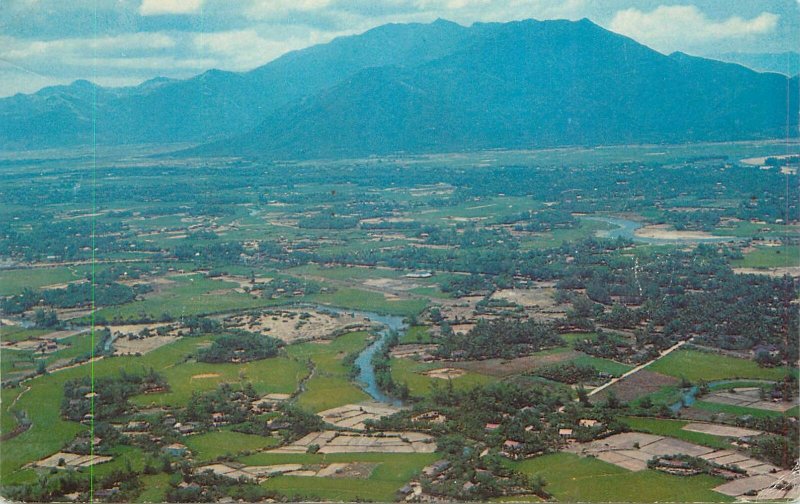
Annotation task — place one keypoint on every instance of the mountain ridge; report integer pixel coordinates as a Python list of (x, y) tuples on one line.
[(421, 88)]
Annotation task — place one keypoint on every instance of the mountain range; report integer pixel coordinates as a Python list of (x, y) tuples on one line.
[(424, 88), (787, 63)]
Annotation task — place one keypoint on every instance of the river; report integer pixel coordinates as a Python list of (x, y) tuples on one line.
[(366, 376), (626, 228)]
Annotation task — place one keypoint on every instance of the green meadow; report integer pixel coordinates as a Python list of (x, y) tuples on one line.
[(411, 372), (211, 445), (391, 472), (695, 366), (574, 479), (674, 428), (329, 386), (784, 256)]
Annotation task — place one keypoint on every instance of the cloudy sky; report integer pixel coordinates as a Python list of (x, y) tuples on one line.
[(124, 42)]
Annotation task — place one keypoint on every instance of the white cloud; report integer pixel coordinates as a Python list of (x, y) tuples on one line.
[(12, 49), (246, 49), (669, 27), (271, 9), (158, 7)]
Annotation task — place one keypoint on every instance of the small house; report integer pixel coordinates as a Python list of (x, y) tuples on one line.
[(176, 449)]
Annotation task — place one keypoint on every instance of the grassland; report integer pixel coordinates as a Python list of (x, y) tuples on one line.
[(730, 409), (574, 479), (278, 374), (356, 299), (410, 372), (393, 470), (155, 488), (586, 229), (50, 432), (695, 366), (611, 367), (674, 428), (329, 386), (784, 256), (211, 445), (416, 334), (17, 333), (191, 295), (15, 281)]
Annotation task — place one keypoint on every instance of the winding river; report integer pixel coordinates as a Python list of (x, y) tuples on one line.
[(366, 376)]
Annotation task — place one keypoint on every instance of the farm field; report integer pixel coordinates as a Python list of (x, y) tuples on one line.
[(392, 471), (575, 479), (329, 385), (417, 377), (694, 365), (674, 428), (211, 445), (226, 338), (771, 257)]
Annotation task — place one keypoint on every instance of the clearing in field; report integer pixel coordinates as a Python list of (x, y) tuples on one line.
[(632, 450), (445, 373), (668, 233), (720, 430), (292, 326), (508, 367), (64, 460), (637, 385), (353, 416), (749, 397), (764, 487), (344, 442), (541, 300)]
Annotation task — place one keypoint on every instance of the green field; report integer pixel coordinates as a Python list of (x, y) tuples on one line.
[(211, 445), (274, 375), (355, 299), (785, 256), (586, 229), (393, 470), (329, 386), (574, 479), (155, 488), (695, 366), (410, 372), (611, 367), (416, 334), (674, 428), (14, 281), (42, 403), (344, 273), (730, 409), (191, 295), (17, 333)]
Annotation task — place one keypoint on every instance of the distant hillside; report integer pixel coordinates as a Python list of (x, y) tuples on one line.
[(423, 88), (528, 84), (215, 104), (787, 63)]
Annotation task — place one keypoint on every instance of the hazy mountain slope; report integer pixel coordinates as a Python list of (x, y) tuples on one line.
[(215, 103), (787, 63), (529, 84)]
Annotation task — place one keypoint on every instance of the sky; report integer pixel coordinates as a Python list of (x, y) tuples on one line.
[(125, 42)]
